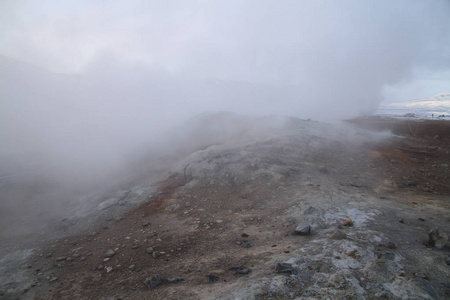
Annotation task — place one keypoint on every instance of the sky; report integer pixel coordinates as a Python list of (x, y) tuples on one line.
[(360, 46)]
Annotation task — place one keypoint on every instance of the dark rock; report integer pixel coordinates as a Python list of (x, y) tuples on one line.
[(388, 256), (156, 254), (145, 224), (174, 280), (401, 221), (285, 268), (69, 259), (421, 219), (303, 229), (212, 278), (447, 260), (408, 183), (153, 282), (240, 270), (390, 245)]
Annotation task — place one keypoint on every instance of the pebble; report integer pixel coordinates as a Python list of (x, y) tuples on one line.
[(69, 259), (83, 258), (447, 260), (106, 259), (150, 250), (131, 267), (303, 229), (156, 254), (153, 282), (285, 268), (145, 224), (348, 222), (61, 258), (212, 278), (108, 269), (391, 245), (53, 278), (110, 253)]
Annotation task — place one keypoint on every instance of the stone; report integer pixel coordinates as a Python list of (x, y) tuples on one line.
[(150, 250), (240, 270), (303, 229), (174, 280), (447, 259), (69, 259), (156, 254), (442, 241), (53, 278), (391, 245), (131, 267), (285, 268), (61, 258), (212, 278), (110, 253), (348, 222), (153, 282), (109, 269), (144, 224)]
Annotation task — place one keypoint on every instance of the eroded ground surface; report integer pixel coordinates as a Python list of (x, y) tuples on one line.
[(219, 226)]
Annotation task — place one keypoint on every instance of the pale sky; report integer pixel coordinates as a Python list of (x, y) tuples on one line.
[(254, 40)]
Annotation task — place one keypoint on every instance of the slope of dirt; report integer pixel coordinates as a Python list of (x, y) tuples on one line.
[(222, 225)]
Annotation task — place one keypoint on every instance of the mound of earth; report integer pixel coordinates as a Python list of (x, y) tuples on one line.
[(301, 210)]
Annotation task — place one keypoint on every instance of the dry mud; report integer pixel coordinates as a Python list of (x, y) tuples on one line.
[(224, 218)]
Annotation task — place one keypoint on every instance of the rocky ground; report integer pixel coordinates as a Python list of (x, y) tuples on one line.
[(306, 211)]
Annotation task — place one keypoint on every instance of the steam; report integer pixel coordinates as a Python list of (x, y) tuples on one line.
[(140, 69)]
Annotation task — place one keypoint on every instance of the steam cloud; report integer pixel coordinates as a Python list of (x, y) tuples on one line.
[(139, 68)]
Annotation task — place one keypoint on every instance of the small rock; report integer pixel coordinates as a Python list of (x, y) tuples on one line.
[(61, 258), (145, 224), (150, 250), (100, 267), (303, 229), (310, 210), (76, 255), (348, 222), (110, 253), (106, 259), (174, 280), (285, 268), (240, 270), (212, 278), (447, 260), (82, 258), (390, 245), (69, 259), (408, 183), (436, 239), (153, 282), (421, 219), (53, 278), (134, 246), (156, 254), (108, 269), (131, 267), (401, 221)]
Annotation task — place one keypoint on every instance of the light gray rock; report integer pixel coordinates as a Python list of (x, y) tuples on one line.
[(303, 229), (110, 253)]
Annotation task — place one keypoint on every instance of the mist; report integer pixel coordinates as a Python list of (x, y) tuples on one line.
[(90, 88)]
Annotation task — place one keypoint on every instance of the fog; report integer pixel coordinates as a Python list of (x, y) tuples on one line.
[(89, 88)]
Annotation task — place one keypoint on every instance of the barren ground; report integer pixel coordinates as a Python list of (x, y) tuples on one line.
[(221, 222)]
